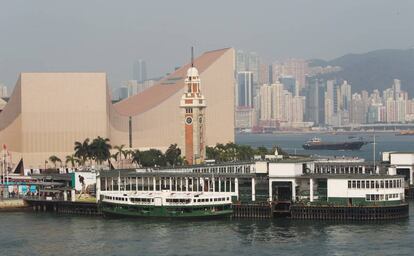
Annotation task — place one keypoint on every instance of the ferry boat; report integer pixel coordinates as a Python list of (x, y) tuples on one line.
[(317, 144), (167, 204)]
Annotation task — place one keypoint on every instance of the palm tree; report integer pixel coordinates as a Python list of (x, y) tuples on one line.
[(72, 159), (136, 157), (128, 153), (120, 152), (100, 149), (54, 159), (83, 150)]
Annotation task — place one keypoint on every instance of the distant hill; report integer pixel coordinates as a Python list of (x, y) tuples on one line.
[(374, 70)]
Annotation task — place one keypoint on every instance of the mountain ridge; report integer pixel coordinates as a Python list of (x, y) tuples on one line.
[(373, 70)]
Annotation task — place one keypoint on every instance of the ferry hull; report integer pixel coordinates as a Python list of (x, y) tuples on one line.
[(165, 211)]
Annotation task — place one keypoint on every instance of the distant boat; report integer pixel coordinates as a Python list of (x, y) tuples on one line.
[(402, 133), (317, 144)]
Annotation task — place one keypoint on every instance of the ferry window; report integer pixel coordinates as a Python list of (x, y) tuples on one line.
[(353, 184), (367, 182), (367, 197), (386, 197), (376, 184), (372, 184), (376, 197), (363, 184), (382, 183), (358, 184), (381, 197), (386, 184), (349, 184)]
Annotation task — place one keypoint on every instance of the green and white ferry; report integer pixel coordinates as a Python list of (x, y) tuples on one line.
[(167, 204), (176, 193)]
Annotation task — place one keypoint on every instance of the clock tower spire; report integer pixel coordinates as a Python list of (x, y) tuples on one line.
[(193, 104)]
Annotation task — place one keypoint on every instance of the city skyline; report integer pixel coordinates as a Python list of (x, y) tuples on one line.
[(112, 38)]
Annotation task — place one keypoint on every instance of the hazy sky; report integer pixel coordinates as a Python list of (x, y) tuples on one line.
[(82, 35)]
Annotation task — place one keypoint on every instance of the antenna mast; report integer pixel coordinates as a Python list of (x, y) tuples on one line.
[(374, 154), (192, 56)]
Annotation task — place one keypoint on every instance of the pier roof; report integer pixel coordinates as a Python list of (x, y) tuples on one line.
[(349, 176), (132, 173)]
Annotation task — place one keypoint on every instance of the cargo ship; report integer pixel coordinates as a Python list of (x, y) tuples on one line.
[(317, 144)]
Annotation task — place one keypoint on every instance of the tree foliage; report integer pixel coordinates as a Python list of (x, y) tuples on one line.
[(173, 155), (152, 157), (54, 159), (231, 152), (83, 150), (72, 159), (100, 149)]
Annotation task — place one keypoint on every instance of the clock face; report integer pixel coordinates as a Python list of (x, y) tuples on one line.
[(188, 120)]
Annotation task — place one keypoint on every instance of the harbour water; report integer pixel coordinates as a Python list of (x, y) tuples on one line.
[(28, 233), (292, 142)]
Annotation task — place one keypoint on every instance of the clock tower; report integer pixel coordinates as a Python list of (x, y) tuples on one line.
[(193, 104)]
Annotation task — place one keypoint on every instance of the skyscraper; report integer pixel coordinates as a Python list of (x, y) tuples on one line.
[(357, 112), (329, 102), (139, 71), (396, 87), (3, 91), (248, 61), (297, 68), (270, 73), (315, 101), (289, 83), (244, 94), (265, 102)]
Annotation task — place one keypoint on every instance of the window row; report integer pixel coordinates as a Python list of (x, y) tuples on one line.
[(161, 183), (142, 200), (178, 200), (211, 199), (116, 198), (376, 197), (375, 183)]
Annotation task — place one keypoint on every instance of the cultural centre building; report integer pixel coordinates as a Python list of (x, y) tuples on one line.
[(48, 112)]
